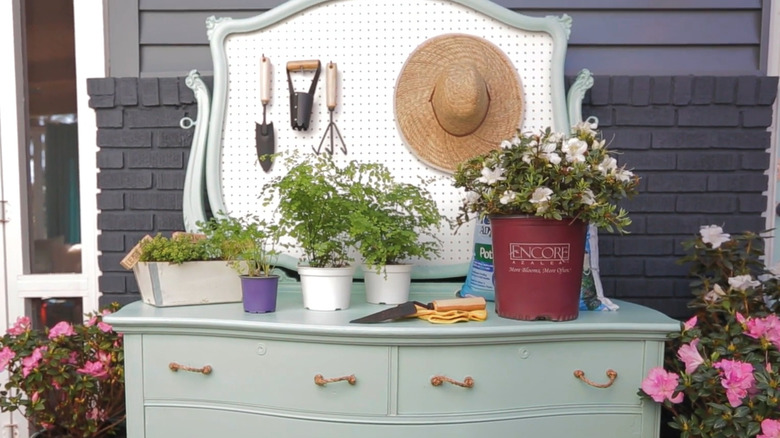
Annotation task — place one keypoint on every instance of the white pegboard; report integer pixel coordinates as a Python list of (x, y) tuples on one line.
[(369, 46)]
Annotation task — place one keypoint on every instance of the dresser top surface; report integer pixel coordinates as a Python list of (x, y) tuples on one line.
[(292, 320)]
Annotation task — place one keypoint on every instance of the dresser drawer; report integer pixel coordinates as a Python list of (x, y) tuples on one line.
[(266, 373), (505, 377)]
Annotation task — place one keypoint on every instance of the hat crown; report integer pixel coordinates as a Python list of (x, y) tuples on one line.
[(460, 99)]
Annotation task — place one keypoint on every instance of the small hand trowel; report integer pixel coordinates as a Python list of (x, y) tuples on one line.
[(264, 133), (410, 308)]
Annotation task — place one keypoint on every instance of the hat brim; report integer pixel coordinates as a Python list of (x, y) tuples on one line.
[(414, 113)]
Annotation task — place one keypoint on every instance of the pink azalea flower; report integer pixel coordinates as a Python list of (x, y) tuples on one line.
[(660, 385), (30, 362), (96, 414), (770, 429), (35, 397), (91, 322), (22, 325), (94, 369), (63, 328), (689, 354), (691, 323), (104, 327), (737, 378), (740, 319), (6, 354), (767, 328)]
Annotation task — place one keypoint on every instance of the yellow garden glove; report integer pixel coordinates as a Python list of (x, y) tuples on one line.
[(453, 310)]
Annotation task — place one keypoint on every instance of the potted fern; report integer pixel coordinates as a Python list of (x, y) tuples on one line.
[(393, 223), (248, 243), (313, 211)]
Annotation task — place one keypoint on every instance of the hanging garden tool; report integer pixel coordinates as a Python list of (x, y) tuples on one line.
[(264, 133), (301, 103), (332, 129)]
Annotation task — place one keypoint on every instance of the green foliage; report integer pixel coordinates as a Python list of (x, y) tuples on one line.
[(390, 217), (246, 242), (178, 249), (70, 384), (735, 303), (549, 175)]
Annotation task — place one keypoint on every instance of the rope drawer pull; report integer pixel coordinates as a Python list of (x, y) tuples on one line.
[(321, 381), (612, 374), (176, 367), (468, 382)]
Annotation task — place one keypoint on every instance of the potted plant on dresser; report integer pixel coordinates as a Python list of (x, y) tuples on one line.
[(540, 190), (393, 223), (184, 269), (249, 245), (314, 212)]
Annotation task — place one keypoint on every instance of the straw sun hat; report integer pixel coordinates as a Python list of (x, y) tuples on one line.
[(457, 96)]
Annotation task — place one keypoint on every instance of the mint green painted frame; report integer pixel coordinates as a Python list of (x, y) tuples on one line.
[(207, 145)]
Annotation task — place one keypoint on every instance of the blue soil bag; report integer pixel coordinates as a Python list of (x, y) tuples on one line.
[(480, 280)]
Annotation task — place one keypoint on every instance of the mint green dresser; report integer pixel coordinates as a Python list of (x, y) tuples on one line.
[(213, 371)]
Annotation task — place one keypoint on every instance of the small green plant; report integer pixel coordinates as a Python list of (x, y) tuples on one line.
[(178, 249), (390, 217), (721, 378), (246, 242), (313, 209)]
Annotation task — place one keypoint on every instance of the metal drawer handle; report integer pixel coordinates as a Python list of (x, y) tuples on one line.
[(468, 382), (176, 367), (321, 381), (612, 374)]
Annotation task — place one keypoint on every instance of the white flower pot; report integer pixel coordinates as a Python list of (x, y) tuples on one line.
[(390, 285), (326, 288), (165, 284)]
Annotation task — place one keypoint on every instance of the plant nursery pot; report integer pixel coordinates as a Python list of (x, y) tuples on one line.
[(259, 293), (326, 288), (390, 285), (207, 282), (538, 267)]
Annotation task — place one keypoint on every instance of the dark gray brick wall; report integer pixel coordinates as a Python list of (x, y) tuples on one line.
[(698, 143), (142, 160)]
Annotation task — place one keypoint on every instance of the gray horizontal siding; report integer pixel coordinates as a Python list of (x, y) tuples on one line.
[(651, 37)]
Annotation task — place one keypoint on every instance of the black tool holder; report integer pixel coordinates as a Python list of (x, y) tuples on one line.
[(301, 103)]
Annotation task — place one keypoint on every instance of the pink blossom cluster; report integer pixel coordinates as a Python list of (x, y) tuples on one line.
[(660, 385), (767, 328), (63, 328), (770, 429), (737, 378), (21, 325), (31, 362)]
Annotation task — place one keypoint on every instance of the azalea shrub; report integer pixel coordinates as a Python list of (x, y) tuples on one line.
[(67, 380), (551, 175), (722, 369)]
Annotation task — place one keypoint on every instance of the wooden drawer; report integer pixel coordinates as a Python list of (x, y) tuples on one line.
[(266, 373), (506, 377)]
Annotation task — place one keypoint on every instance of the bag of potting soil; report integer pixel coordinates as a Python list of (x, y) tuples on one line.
[(480, 277)]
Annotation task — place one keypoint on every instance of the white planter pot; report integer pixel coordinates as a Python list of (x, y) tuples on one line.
[(165, 284), (392, 288), (326, 288)]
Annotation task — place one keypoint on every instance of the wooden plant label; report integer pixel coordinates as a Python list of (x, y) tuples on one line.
[(132, 257)]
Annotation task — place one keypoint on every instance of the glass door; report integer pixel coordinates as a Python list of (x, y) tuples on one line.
[(48, 183)]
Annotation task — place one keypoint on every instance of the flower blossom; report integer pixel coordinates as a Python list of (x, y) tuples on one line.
[(552, 157), (6, 354), (607, 166), (691, 323), (769, 429), (767, 327), (507, 197), (743, 282), (541, 197), (472, 198), (713, 235), (588, 198), (31, 362), (689, 354), (94, 368), (575, 150), (715, 295), (737, 379), (660, 385), (22, 325), (624, 175), (63, 328), (491, 176)]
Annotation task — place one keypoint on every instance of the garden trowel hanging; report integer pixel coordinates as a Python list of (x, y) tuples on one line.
[(264, 133), (301, 103)]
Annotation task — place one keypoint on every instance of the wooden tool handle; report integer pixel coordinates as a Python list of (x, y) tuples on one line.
[(471, 303), (265, 80), (331, 76), (310, 64)]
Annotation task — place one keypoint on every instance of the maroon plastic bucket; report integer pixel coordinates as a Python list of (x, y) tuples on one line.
[(259, 293), (538, 267)]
